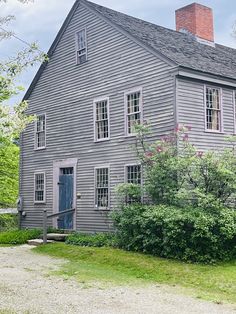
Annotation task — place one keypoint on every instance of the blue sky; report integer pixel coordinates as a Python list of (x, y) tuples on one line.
[(40, 21)]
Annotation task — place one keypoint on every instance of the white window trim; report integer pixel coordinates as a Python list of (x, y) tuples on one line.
[(44, 194), (35, 132), (95, 101), (128, 92), (77, 45), (109, 188), (221, 131), (126, 172)]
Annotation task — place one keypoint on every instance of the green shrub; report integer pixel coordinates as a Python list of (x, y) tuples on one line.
[(19, 236), (95, 240), (190, 234), (8, 222)]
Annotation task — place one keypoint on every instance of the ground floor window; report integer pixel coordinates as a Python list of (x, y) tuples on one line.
[(39, 187), (102, 187)]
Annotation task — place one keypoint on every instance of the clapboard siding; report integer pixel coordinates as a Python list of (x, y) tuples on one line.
[(65, 92), (191, 111)]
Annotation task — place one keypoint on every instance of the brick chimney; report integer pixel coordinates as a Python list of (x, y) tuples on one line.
[(196, 19)]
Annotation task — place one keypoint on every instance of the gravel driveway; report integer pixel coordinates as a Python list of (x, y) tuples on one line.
[(27, 287)]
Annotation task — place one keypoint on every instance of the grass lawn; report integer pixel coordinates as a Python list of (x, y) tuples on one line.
[(113, 266)]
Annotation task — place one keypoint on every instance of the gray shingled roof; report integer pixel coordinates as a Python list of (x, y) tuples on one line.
[(179, 47)]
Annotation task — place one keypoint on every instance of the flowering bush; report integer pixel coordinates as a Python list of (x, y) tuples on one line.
[(176, 173)]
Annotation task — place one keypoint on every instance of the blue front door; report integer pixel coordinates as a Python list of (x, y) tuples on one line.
[(66, 196)]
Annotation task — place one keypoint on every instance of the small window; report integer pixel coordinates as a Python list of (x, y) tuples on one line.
[(133, 174), (133, 111), (39, 187), (81, 46), (101, 120), (40, 135), (213, 109), (102, 188)]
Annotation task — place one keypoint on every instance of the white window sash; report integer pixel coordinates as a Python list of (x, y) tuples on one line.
[(214, 111), (96, 121), (39, 132), (140, 111), (81, 51), (107, 187), (43, 201)]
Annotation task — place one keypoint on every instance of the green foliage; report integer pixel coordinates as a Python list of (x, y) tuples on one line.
[(189, 234), (19, 236), (9, 169), (96, 240), (128, 193), (177, 173), (8, 222)]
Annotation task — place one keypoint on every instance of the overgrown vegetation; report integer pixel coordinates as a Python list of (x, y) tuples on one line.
[(8, 222), (188, 234), (192, 194), (93, 240), (16, 237), (114, 266)]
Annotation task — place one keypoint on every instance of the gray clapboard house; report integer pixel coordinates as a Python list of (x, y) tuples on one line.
[(106, 71)]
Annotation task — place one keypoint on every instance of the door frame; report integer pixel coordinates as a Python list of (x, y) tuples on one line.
[(57, 165)]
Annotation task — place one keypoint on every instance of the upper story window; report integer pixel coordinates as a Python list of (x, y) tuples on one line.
[(102, 187), (213, 109), (81, 53), (101, 119), (39, 187), (40, 132), (133, 108)]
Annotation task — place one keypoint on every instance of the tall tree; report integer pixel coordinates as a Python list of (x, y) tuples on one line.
[(13, 120)]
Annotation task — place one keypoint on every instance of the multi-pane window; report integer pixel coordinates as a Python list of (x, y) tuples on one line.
[(101, 120), (81, 46), (213, 109), (102, 187), (133, 174), (39, 187), (133, 111), (40, 135)]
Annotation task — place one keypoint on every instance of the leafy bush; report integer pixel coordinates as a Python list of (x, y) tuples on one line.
[(176, 173), (8, 222), (95, 240), (128, 193), (19, 236), (190, 234)]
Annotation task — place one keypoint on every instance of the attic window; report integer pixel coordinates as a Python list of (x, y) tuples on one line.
[(81, 43)]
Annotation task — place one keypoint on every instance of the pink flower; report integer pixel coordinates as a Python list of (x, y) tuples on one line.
[(199, 154), (149, 154), (185, 138), (159, 149)]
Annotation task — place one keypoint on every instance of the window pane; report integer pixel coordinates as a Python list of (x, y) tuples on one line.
[(102, 123), (134, 174), (39, 187), (40, 131), (102, 197), (81, 40), (213, 114)]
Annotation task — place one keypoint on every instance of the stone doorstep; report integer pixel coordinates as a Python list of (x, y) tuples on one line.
[(57, 236), (37, 242)]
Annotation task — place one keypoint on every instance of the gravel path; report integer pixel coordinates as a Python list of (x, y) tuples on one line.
[(27, 287)]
